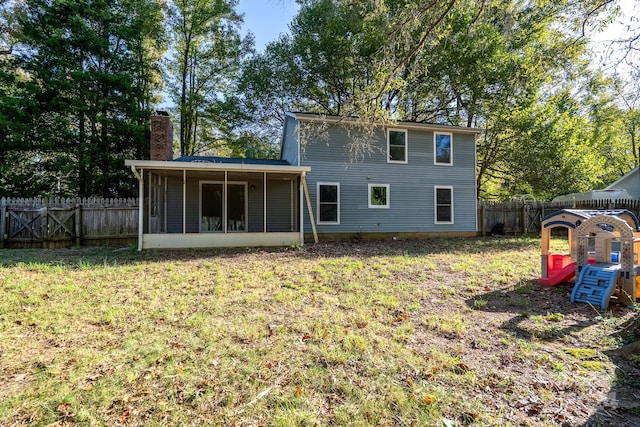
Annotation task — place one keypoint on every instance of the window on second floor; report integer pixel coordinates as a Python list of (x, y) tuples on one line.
[(397, 146), (443, 148)]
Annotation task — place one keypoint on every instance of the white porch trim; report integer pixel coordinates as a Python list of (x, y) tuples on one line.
[(219, 240)]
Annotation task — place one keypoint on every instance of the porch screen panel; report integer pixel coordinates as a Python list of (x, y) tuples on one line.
[(212, 207), (236, 203)]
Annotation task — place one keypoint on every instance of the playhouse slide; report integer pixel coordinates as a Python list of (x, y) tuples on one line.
[(565, 274), (595, 284)]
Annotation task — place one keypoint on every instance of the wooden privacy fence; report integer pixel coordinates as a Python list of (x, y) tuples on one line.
[(60, 222), (524, 217)]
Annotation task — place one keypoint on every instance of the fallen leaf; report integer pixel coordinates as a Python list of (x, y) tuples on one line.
[(299, 391), (125, 416), (63, 407), (428, 399)]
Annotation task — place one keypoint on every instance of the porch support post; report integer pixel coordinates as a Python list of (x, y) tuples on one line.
[(301, 209), (264, 202), (184, 201), (308, 199), (225, 206), (139, 175)]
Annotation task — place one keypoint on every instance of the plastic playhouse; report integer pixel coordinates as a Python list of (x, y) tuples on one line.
[(604, 251)]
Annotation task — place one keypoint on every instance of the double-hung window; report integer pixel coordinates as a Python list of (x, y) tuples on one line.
[(378, 195), (397, 146), (443, 148), (443, 205), (328, 195)]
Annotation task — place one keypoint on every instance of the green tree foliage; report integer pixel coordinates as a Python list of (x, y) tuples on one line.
[(507, 67), (206, 54), (83, 77)]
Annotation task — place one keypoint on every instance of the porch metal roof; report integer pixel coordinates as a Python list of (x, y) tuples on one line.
[(230, 160)]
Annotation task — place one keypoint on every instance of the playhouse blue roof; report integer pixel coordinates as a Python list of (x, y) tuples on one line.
[(585, 214)]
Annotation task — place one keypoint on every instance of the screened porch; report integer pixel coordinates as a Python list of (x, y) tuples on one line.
[(196, 205)]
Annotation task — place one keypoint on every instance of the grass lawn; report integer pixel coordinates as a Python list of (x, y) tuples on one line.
[(431, 332)]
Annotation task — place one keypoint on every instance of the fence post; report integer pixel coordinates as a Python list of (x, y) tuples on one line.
[(78, 224), (525, 219), (45, 229), (3, 216), (481, 218)]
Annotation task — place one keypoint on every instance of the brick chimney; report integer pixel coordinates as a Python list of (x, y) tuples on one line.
[(161, 136)]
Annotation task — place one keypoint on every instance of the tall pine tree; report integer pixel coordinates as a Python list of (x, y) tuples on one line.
[(88, 73)]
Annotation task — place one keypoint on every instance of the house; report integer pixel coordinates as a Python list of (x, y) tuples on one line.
[(418, 179), (626, 187), (610, 194), (629, 182)]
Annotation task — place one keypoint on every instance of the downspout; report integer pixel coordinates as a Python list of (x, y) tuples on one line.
[(140, 204)]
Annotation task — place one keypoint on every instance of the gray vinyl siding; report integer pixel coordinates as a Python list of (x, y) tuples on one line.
[(193, 204), (279, 199), (411, 185), (174, 205), (256, 206), (289, 149)]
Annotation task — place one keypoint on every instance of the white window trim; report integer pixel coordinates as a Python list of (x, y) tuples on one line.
[(386, 205), (435, 204), (224, 207), (435, 157), (406, 146), (318, 185)]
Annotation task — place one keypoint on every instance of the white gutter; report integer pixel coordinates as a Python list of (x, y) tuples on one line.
[(237, 167)]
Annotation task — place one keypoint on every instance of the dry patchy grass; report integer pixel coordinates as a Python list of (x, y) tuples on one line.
[(375, 333)]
